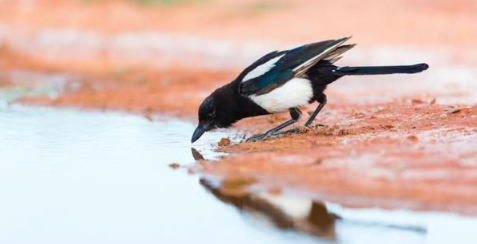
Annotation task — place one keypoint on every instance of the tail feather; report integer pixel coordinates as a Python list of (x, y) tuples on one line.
[(381, 70)]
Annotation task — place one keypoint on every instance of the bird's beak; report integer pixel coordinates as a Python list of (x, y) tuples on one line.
[(199, 131)]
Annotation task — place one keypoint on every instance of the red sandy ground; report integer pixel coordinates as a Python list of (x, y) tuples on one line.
[(403, 153)]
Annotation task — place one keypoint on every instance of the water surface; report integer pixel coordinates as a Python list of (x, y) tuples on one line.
[(70, 176)]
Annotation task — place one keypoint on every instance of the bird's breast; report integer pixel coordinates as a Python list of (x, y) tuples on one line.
[(296, 92)]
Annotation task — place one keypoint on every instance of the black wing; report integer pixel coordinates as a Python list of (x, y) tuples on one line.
[(276, 68)]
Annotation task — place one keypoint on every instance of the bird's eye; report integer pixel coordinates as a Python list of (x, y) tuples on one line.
[(211, 114)]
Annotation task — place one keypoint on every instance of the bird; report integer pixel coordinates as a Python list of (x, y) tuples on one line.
[(284, 81)]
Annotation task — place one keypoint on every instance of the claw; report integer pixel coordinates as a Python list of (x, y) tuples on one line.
[(280, 134), (258, 138), (271, 135)]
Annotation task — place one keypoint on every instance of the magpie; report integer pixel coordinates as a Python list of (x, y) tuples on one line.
[(284, 81)]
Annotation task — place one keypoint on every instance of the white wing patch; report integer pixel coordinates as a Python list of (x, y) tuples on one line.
[(296, 92), (262, 69)]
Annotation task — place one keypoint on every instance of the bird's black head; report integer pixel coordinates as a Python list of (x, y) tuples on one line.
[(217, 111)]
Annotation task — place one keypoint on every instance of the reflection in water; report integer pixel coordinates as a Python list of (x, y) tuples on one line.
[(289, 213), (284, 213), (318, 221), (196, 154)]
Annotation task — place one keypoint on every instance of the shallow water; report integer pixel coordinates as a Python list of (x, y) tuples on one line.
[(69, 176)]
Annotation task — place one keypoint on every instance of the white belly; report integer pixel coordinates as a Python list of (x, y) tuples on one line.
[(295, 93)]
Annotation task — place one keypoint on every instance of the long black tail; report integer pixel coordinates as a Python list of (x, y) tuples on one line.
[(381, 70)]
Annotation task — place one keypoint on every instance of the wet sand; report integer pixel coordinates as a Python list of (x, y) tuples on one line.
[(394, 144)]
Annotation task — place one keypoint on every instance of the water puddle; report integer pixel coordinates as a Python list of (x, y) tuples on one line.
[(70, 176)]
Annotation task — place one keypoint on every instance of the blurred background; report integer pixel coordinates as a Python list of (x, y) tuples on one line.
[(394, 142), (219, 37)]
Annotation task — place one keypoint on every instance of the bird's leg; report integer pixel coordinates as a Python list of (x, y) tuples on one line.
[(322, 102), (295, 116)]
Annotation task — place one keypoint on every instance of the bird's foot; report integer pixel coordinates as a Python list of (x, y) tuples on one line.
[(299, 130), (259, 137), (272, 135)]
